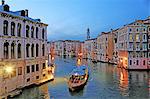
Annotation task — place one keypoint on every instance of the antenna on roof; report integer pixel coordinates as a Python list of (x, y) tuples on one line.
[(3, 2)]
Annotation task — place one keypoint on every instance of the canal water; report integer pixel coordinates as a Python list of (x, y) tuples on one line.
[(106, 81)]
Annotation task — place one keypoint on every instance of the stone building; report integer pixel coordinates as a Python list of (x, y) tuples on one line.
[(90, 49), (23, 54), (132, 45), (105, 47)]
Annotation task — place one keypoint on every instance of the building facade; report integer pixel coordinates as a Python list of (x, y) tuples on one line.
[(69, 48), (23, 54), (90, 49), (105, 46), (132, 45)]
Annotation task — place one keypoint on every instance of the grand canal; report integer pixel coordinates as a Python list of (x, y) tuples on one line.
[(105, 82)]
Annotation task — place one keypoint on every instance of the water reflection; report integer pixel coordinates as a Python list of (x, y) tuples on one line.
[(106, 82), (40, 92)]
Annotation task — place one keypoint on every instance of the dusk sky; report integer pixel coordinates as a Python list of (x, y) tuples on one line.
[(69, 19)]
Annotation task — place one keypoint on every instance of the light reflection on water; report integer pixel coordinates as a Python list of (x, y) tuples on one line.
[(105, 82)]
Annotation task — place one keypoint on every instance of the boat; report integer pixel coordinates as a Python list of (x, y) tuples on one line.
[(78, 78)]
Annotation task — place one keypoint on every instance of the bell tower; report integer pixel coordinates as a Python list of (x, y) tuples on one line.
[(88, 33)]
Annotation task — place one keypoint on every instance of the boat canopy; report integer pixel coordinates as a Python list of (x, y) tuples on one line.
[(79, 71)]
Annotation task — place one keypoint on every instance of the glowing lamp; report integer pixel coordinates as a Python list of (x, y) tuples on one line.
[(9, 69)]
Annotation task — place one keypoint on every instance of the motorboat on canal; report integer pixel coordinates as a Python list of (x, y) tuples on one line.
[(78, 78)]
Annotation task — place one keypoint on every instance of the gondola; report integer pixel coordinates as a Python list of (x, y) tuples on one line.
[(78, 78)]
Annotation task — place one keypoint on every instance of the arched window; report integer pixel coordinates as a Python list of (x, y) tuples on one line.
[(12, 29), (144, 37), (19, 30), (19, 50), (32, 50), (27, 30), (6, 50), (32, 32), (27, 50), (37, 50), (37, 30), (43, 50), (5, 27), (12, 50), (43, 33)]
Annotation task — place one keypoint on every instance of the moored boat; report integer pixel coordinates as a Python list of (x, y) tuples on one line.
[(78, 78)]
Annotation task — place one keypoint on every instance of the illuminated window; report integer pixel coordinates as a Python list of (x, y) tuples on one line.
[(137, 37), (130, 36)]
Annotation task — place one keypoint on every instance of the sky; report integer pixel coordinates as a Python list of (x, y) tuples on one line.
[(69, 19)]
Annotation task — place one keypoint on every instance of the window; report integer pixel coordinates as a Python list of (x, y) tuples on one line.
[(37, 30), (130, 37), (130, 62), (37, 77), (12, 29), (6, 50), (28, 79), (19, 50), (137, 62), (137, 37), (32, 32), (130, 29), (19, 30), (32, 50), (5, 27), (19, 70), (43, 50), (27, 31), (149, 46), (28, 69), (43, 75), (32, 68), (37, 50), (143, 62), (37, 67), (144, 37), (149, 54), (27, 50), (43, 33), (44, 66), (12, 50)]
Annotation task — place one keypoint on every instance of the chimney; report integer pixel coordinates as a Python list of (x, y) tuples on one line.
[(3, 2), (26, 12)]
